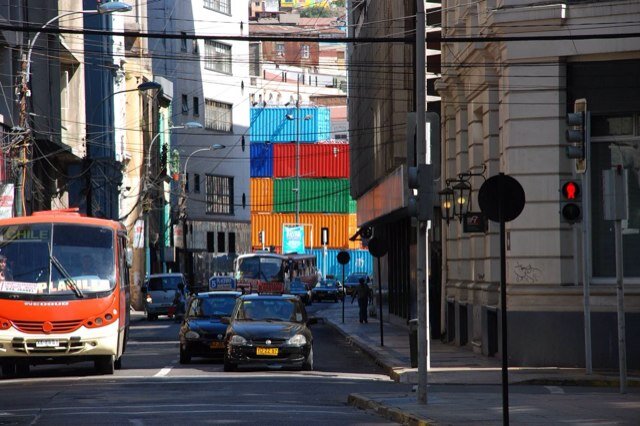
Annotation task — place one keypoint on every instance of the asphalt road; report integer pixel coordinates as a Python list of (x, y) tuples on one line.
[(153, 388)]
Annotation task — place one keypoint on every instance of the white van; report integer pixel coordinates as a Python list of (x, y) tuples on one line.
[(159, 290)]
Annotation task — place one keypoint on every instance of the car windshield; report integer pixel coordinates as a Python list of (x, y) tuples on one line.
[(203, 307), (297, 285), (269, 310), (328, 284), (355, 278), (261, 268), (65, 260), (168, 283)]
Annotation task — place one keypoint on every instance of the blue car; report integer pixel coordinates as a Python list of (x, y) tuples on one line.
[(202, 332), (300, 289)]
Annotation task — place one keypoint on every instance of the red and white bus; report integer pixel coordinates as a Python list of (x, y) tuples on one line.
[(65, 294), (265, 272)]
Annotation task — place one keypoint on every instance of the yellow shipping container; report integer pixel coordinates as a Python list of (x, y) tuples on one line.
[(341, 227), (261, 194)]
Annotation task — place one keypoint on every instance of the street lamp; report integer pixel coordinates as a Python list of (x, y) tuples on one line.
[(183, 204), (106, 8), (297, 188), (187, 125)]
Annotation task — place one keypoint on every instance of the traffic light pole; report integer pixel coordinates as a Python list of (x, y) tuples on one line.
[(586, 243)]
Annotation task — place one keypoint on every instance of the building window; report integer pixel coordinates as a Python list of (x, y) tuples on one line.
[(210, 240), (222, 6), (183, 41), (196, 106), (219, 195), (305, 51), (280, 49), (194, 47), (221, 242), (196, 183), (232, 242), (217, 116), (185, 104), (217, 56), (186, 182)]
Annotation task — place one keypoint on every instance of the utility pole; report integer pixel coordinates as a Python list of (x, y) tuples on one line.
[(422, 227), (298, 152), (24, 144)]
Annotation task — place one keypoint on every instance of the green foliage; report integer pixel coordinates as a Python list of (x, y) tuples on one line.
[(315, 12)]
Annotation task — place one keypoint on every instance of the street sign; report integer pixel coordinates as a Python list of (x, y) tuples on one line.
[(501, 191), (344, 257), (222, 283)]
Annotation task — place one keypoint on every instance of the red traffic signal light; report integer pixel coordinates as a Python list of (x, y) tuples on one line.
[(570, 201), (571, 191)]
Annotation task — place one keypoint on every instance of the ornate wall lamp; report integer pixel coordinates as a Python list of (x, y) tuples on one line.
[(455, 198)]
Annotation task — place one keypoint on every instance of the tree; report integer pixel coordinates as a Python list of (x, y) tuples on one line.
[(315, 12)]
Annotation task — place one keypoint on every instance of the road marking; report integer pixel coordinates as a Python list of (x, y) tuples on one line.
[(555, 390), (163, 372)]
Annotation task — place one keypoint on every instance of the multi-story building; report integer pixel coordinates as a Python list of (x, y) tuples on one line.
[(504, 106), (210, 199), (381, 101)]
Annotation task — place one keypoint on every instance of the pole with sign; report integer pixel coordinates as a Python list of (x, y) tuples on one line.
[(343, 259)]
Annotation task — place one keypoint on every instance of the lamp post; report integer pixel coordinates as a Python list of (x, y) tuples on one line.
[(183, 204), (147, 187), (105, 8)]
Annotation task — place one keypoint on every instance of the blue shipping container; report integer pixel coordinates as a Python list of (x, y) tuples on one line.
[(306, 124), (361, 261), (261, 160)]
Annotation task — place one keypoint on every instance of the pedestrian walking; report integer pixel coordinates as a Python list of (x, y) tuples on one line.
[(364, 296)]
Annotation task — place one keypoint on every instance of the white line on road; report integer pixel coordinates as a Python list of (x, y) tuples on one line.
[(555, 389), (163, 372)]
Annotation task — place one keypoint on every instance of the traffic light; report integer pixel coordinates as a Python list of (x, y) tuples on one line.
[(571, 201), (577, 135), (421, 205)]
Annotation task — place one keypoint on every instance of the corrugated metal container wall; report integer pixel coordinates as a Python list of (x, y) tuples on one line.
[(261, 160), (261, 195), (271, 124), (316, 195), (361, 261), (316, 160), (339, 226)]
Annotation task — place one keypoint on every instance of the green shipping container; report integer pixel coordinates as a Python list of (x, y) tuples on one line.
[(316, 196)]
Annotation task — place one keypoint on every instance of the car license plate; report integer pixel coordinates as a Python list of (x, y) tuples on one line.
[(49, 343), (267, 351), (216, 345)]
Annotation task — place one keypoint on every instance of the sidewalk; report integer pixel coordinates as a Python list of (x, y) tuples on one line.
[(453, 365)]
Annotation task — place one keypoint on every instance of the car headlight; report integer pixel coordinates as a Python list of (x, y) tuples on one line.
[(297, 340), (149, 299), (237, 340), (191, 335)]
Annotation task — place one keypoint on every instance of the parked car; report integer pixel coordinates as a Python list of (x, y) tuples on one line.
[(352, 281), (300, 289), (202, 331), (328, 289), (269, 330), (159, 291)]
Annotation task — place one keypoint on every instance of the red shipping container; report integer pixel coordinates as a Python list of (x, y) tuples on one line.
[(316, 160)]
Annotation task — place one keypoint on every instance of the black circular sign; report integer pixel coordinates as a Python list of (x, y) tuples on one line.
[(343, 257), (501, 191), (377, 247)]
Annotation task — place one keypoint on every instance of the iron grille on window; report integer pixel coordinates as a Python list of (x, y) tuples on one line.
[(217, 56), (217, 116), (219, 194), (222, 6)]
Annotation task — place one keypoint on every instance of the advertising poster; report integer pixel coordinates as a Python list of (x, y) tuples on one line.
[(292, 239)]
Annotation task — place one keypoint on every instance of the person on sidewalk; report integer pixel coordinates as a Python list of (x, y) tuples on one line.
[(364, 295)]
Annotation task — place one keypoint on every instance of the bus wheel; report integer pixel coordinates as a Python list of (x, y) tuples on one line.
[(185, 357), (22, 368), (105, 364), (8, 369)]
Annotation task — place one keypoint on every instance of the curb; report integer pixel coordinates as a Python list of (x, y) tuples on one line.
[(393, 414), (596, 383)]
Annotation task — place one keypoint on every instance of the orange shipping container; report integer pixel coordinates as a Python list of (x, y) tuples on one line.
[(341, 227), (261, 195)]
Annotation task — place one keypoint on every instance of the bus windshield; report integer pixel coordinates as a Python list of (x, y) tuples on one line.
[(56, 259), (261, 268)]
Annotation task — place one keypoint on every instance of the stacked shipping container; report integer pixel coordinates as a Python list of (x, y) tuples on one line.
[(325, 201)]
